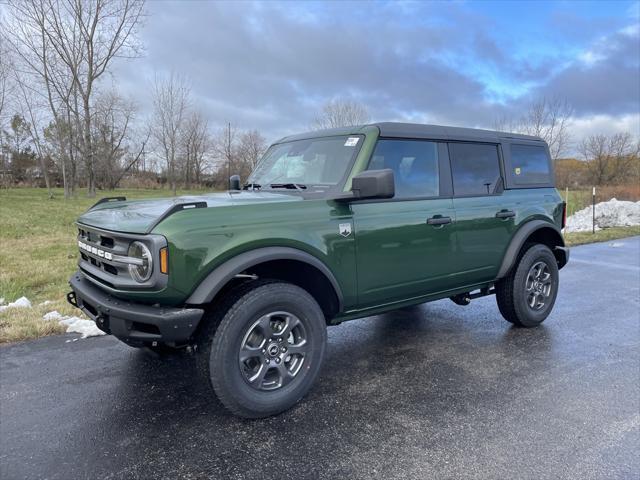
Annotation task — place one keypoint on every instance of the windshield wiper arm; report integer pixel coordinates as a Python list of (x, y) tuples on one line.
[(252, 186), (290, 186)]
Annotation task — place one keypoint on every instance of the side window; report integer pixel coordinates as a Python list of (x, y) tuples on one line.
[(414, 164), (530, 165), (475, 168)]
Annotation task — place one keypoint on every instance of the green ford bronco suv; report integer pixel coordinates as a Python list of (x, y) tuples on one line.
[(331, 226)]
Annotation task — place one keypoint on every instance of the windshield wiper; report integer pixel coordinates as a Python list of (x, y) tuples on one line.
[(252, 186), (289, 186)]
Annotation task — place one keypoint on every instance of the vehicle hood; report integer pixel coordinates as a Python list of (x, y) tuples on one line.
[(141, 216)]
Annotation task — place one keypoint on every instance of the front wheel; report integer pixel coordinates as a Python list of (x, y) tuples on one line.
[(265, 349), (526, 296)]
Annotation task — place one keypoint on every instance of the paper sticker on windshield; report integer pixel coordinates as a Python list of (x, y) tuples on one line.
[(351, 142), (517, 169)]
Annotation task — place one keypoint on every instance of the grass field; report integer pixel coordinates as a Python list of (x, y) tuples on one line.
[(608, 234), (38, 253)]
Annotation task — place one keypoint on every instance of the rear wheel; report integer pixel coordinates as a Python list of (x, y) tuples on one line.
[(526, 296), (263, 348)]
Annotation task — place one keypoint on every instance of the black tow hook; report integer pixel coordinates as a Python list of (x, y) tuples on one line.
[(463, 299), (71, 298)]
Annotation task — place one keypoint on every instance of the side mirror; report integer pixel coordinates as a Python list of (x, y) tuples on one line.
[(234, 182), (373, 184)]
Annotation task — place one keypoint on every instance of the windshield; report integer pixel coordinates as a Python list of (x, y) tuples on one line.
[(313, 164)]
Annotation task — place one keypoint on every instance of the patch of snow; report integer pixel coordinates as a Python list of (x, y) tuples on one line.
[(2, 301), (616, 244), (87, 328), (53, 316), (45, 303), (613, 213), (22, 302)]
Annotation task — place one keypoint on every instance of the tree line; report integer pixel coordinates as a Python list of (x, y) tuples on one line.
[(598, 160), (63, 121)]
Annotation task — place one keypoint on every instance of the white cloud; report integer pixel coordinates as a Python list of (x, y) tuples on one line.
[(590, 57), (605, 124)]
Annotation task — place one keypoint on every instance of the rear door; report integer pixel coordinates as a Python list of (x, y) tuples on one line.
[(405, 245), (485, 219)]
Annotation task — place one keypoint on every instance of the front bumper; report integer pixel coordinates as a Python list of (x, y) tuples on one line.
[(133, 323)]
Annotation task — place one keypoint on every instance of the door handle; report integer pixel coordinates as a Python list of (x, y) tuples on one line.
[(505, 214), (438, 220)]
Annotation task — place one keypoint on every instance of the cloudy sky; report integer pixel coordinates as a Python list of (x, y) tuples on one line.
[(271, 65)]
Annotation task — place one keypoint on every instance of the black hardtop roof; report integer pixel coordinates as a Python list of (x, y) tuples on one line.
[(416, 130)]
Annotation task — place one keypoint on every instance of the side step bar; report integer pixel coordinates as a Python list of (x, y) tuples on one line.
[(464, 299)]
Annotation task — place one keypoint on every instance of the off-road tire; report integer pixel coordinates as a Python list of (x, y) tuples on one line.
[(219, 342), (511, 293)]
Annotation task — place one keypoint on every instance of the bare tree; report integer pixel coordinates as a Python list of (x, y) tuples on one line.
[(69, 45), (131, 161), (225, 149), (5, 94), (113, 117), (341, 113), (18, 141), (5, 74), (251, 147), (610, 158), (32, 110), (171, 105), (45, 73), (103, 30), (547, 119), (195, 143)]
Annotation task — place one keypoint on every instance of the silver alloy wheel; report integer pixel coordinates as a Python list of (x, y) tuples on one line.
[(538, 286), (273, 350)]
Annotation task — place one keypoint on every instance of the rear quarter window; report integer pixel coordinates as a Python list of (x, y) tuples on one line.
[(530, 165)]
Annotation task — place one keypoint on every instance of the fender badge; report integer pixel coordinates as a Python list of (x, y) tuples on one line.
[(344, 229)]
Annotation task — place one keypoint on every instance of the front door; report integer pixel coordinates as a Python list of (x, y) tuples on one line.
[(405, 245)]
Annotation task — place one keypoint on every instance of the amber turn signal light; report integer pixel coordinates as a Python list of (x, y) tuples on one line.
[(164, 260)]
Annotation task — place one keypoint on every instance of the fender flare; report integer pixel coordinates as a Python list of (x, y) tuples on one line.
[(521, 236), (218, 278)]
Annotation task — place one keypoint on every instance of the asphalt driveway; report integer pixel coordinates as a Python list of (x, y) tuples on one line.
[(436, 391)]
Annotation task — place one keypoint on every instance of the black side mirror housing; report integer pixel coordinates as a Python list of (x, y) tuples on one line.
[(234, 182), (373, 184)]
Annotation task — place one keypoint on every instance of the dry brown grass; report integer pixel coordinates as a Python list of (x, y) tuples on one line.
[(18, 324), (621, 192)]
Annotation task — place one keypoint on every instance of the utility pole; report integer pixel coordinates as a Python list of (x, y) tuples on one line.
[(229, 155)]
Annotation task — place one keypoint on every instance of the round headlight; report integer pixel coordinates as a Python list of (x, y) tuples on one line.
[(142, 272)]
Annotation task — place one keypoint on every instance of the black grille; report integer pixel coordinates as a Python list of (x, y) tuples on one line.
[(110, 268), (106, 241)]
